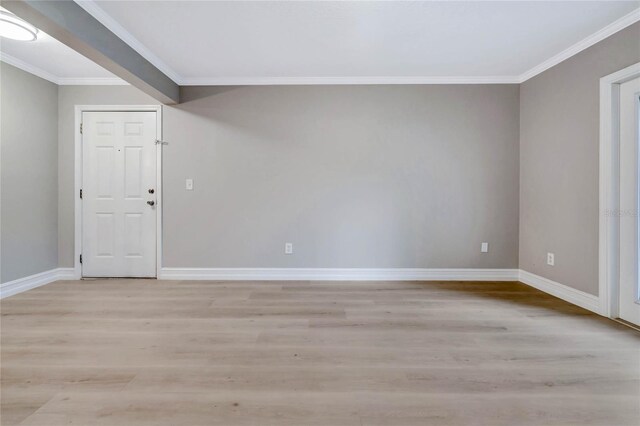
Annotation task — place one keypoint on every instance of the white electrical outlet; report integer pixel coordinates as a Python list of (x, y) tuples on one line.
[(484, 247), (288, 248), (551, 259), (189, 185)]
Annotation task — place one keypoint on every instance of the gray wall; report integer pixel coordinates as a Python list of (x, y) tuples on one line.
[(28, 174), (354, 176), (370, 176), (68, 98), (559, 137)]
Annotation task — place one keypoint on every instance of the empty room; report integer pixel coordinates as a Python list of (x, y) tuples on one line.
[(319, 213)]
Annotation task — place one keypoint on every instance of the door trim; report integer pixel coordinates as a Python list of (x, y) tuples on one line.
[(79, 109), (609, 224)]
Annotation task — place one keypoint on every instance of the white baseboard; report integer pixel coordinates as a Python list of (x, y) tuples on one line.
[(338, 274), (569, 294), (37, 280)]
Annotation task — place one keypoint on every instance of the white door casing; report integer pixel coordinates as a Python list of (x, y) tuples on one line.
[(629, 306), (118, 173)]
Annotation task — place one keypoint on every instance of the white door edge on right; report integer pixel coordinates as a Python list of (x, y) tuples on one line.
[(629, 288)]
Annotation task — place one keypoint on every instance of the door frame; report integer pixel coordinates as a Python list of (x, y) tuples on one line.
[(79, 109), (609, 223)]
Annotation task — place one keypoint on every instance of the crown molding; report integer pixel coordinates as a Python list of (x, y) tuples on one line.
[(61, 81), (28, 68), (92, 81), (270, 81), (105, 19), (622, 23)]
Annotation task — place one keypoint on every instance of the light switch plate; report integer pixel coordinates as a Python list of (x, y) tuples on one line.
[(189, 185)]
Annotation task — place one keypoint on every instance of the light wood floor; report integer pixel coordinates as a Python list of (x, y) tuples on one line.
[(145, 352)]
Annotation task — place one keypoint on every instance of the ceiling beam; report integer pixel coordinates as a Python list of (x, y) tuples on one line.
[(72, 25)]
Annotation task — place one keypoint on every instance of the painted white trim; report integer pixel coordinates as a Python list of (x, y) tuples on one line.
[(609, 188), (38, 72), (609, 30), (36, 280), (79, 109), (300, 81), (105, 19), (571, 295), (566, 293), (159, 198), (338, 274), (61, 81), (92, 81)]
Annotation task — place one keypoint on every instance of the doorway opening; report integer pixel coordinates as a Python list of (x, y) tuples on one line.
[(619, 289)]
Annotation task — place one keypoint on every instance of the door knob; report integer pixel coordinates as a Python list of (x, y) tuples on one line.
[(151, 203), (151, 191)]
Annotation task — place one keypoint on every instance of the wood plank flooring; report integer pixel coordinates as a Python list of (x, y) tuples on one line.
[(146, 352)]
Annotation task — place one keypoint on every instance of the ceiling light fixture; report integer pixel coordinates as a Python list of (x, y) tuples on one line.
[(15, 28)]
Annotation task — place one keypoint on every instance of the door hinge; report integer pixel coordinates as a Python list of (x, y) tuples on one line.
[(80, 258), (81, 194), (80, 128)]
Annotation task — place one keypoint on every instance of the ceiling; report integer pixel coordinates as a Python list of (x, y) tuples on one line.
[(285, 42), (50, 59)]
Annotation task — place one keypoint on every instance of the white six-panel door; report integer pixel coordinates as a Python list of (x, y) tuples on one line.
[(629, 303), (119, 194)]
